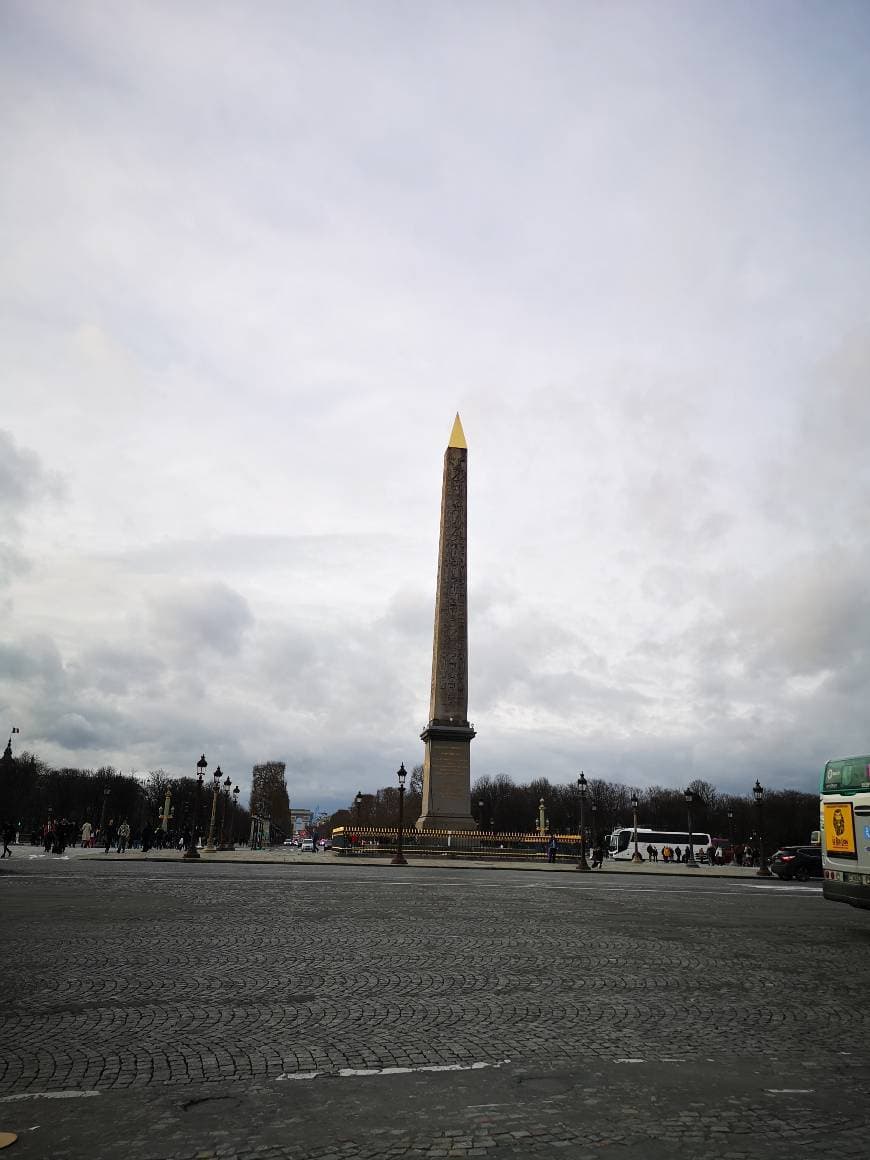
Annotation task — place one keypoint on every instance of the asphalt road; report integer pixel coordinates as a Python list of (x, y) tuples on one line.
[(315, 1012)]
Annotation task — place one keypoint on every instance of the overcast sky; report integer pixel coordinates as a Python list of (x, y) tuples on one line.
[(254, 259)]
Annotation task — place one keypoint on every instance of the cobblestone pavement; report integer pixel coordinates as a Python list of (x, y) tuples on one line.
[(310, 1012)]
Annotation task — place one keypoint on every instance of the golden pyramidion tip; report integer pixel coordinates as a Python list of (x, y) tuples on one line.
[(457, 435)]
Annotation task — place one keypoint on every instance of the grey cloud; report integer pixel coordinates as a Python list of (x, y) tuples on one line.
[(34, 658), (23, 480), (73, 731), (210, 616), (116, 670), (251, 552), (13, 565), (811, 616)]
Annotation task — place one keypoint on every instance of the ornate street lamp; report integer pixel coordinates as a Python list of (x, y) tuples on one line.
[(582, 790), (215, 790), (401, 774), (191, 852), (594, 810), (636, 856), (480, 809), (763, 870), (233, 818), (690, 801), (358, 801), (225, 797)]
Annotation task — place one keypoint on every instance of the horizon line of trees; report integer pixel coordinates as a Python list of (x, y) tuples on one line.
[(500, 805), (32, 792)]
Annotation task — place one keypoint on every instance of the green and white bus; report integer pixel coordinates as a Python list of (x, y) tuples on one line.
[(845, 820)]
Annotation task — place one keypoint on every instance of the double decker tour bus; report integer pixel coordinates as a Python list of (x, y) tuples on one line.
[(845, 820)]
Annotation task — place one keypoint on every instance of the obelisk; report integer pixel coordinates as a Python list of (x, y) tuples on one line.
[(447, 761)]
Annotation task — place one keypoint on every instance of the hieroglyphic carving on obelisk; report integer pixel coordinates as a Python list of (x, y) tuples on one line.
[(447, 761)]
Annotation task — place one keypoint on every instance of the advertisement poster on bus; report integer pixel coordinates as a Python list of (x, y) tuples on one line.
[(840, 830)]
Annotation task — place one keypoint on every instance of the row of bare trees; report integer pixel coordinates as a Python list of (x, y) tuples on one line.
[(32, 793), (502, 806)]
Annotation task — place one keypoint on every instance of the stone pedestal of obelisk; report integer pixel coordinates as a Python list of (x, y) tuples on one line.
[(447, 761)]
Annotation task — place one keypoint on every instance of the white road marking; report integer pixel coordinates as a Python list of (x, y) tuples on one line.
[(781, 888), (629, 1061), (70, 1095), (352, 1072), (789, 1091)]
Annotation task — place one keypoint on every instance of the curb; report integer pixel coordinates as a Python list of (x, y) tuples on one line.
[(437, 864)]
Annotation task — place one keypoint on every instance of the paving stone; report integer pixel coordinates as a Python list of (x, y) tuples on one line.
[(196, 990)]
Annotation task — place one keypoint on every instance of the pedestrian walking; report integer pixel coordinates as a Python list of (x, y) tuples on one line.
[(109, 834), (87, 832), (8, 836), (551, 848), (123, 836)]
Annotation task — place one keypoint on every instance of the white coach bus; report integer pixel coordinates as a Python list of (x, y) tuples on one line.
[(621, 845)]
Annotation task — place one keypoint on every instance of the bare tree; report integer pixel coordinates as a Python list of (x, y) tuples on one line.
[(269, 797)]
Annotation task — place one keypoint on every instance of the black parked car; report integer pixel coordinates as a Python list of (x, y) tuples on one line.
[(801, 862)]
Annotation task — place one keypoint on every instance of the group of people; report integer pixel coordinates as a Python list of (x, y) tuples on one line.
[(597, 853), (713, 855), (59, 833), (672, 854)]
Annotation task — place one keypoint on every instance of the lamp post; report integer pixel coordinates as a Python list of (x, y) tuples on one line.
[(690, 801), (191, 852), (763, 870), (234, 811), (225, 797), (106, 793), (731, 832), (358, 801), (594, 810), (401, 774), (215, 790), (542, 820), (582, 789), (636, 856), (480, 809)]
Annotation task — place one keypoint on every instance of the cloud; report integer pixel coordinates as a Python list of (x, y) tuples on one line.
[(33, 659), (201, 617), (24, 482), (244, 293)]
